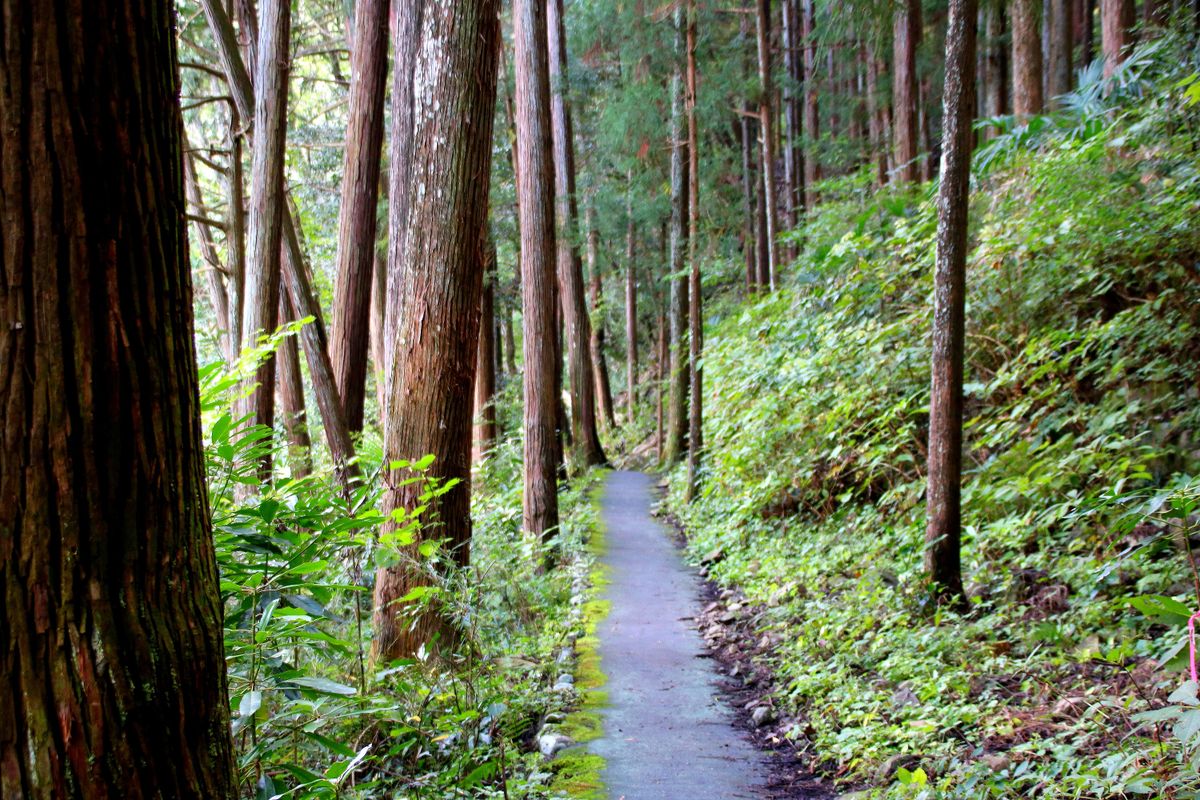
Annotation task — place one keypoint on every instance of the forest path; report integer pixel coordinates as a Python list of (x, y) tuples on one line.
[(667, 733)]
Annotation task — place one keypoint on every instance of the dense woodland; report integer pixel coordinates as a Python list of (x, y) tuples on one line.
[(321, 321)]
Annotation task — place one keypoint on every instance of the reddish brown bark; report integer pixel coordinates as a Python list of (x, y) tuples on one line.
[(1116, 32), (906, 37), (484, 436), (235, 232), (350, 334), (943, 530), (1060, 31), (535, 191), (584, 434), (596, 294), (292, 411), (431, 387), (1026, 58), (110, 625)]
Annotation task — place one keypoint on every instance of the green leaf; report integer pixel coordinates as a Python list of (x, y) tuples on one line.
[(250, 703), (323, 686)]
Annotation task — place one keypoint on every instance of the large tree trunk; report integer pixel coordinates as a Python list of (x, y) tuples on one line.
[(485, 359), (596, 293), (431, 388), (351, 329), (114, 670), (906, 37), (292, 409), (695, 421), (1116, 32), (584, 434), (535, 192), (1026, 58), (295, 275), (766, 128), (631, 351), (946, 405), (267, 202), (677, 404), (1060, 36), (812, 116)]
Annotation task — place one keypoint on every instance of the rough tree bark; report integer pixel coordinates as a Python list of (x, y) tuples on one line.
[(357, 222), (1060, 30), (906, 37), (535, 192), (292, 411), (484, 437), (260, 315), (695, 421), (584, 434), (235, 232), (596, 294), (430, 392), (946, 407), (677, 403), (1026, 58), (111, 620), (631, 351), (1116, 32), (767, 145)]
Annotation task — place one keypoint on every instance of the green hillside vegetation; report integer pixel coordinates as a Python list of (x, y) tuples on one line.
[(1082, 416)]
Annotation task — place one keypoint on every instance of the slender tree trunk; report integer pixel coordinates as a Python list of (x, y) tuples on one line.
[(1087, 43), (208, 253), (631, 352), (295, 274), (793, 158), (1116, 32), (535, 192), (1059, 34), (749, 198), (378, 326), (599, 359), (111, 619), (351, 328), (660, 373), (584, 433), (996, 64), (267, 203), (946, 408), (812, 116), (235, 233), (926, 110), (291, 397), (695, 421), (766, 126), (762, 277), (431, 388), (485, 359), (677, 413), (906, 37), (1026, 58), (875, 123)]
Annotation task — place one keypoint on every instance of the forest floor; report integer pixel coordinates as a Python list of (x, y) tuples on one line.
[(671, 728)]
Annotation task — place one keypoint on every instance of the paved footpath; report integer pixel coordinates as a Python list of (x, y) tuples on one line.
[(667, 734)]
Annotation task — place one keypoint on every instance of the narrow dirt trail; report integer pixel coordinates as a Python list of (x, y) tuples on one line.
[(667, 733)]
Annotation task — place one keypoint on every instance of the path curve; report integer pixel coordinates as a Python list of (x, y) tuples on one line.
[(667, 733)]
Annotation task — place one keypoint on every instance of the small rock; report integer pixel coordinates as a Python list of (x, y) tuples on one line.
[(551, 743), (905, 696), (997, 762), (888, 769), (564, 683), (713, 556), (763, 715), (555, 716), (564, 655)]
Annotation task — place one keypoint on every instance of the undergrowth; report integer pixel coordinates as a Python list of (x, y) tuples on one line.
[(1062, 681)]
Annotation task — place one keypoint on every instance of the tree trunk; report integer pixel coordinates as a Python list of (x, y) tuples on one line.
[(351, 329), (535, 192), (214, 270), (1087, 33), (485, 359), (1116, 32), (431, 388), (906, 37), (677, 404), (584, 433), (793, 156), (875, 123), (664, 359), (631, 353), (599, 359), (295, 275), (1026, 58), (261, 310), (766, 127), (378, 327), (926, 111), (111, 619), (946, 406), (291, 397), (695, 422), (995, 79), (235, 233), (812, 116), (749, 198), (1059, 35)]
